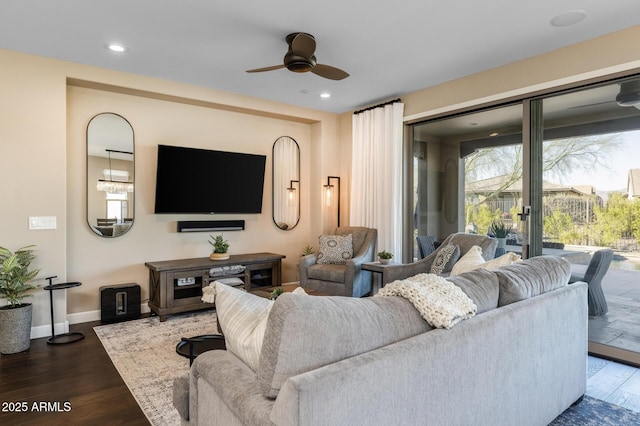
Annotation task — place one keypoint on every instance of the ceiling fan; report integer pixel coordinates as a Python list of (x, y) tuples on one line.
[(301, 58)]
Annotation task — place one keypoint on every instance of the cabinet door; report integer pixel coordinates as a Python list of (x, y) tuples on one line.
[(185, 287), (262, 275)]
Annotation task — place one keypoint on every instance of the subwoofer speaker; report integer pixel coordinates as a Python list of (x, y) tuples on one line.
[(119, 302)]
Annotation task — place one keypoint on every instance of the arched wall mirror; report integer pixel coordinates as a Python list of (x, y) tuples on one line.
[(286, 183), (110, 175)]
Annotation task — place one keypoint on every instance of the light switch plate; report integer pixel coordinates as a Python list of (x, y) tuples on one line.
[(42, 222)]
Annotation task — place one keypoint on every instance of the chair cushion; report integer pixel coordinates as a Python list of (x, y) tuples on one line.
[(308, 332), (333, 273), (243, 318), (531, 278), (335, 249)]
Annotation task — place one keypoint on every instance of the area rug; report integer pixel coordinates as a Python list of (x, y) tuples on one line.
[(144, 353), (594, 412)]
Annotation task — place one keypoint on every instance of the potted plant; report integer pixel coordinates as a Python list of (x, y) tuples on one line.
[(499, 230), (15, 318), (384, 257), (307, 250), (276, 292), (220, 248)]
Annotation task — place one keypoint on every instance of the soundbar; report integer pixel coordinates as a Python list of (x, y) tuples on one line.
[(210, 225)]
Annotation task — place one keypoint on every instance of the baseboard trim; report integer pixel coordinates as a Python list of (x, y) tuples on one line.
[(77, 318)]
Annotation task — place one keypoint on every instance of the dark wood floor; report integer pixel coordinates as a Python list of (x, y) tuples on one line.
[(80, 373)]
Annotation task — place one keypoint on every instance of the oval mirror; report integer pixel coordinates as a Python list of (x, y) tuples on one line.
[(286, 183), (110, 175)]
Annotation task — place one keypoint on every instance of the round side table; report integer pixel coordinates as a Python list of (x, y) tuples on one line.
[(61, 339)]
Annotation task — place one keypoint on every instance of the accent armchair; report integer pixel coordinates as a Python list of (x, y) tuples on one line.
[(598, 267), (423, 266), (342, 279)]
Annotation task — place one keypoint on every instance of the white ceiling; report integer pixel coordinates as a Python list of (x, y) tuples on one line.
[(389, 48)]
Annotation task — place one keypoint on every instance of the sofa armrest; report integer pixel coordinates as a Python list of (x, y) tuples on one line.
[(233, 383)]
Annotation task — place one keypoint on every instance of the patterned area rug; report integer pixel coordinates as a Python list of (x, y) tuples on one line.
[(594, 412), (144, 353)]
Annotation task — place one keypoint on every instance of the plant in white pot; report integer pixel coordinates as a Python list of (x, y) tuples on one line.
[(385, 257), (220, 248), (15, 318), (500, 231)]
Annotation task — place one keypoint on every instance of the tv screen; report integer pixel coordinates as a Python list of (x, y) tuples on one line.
[(191, 180)]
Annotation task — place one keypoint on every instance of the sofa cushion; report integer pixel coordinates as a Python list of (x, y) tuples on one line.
[(531, 278), (242, 318), (304, 333), (481, 286), (335, 249), (333, 273), (446, 257)]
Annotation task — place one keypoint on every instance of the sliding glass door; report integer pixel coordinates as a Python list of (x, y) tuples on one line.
[(574, 159)]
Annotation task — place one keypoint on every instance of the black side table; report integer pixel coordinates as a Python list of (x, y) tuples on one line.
[(61, 339), (191, 347)]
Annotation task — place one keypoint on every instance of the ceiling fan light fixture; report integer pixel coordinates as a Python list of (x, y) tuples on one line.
[(629, 93)]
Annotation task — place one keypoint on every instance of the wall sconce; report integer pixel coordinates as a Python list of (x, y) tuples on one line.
[(330, 194), (291, 193)]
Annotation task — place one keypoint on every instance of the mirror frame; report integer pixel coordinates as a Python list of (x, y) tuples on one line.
[(282, 186), (121, 230)]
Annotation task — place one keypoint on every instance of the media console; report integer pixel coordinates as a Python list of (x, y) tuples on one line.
[(175, 286)]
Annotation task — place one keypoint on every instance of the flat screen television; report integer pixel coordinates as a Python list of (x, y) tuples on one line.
[(192, 180)]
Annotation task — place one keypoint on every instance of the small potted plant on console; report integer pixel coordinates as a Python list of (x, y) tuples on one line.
[(384, 257), (220, 248)]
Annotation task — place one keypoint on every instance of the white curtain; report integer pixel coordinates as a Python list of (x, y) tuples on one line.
[(376, 180)]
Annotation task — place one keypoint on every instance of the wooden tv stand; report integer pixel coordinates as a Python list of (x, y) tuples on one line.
[(175, 286)]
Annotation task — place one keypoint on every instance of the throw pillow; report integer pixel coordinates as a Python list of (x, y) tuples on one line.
[(242, 317), (445, 259), (469, 261), (335, 249), (504, 260)]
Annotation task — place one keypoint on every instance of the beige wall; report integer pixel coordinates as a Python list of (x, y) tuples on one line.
[(46, 105), (42, 157)]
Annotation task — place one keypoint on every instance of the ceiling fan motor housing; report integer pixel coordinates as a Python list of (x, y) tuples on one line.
[(297, 63)]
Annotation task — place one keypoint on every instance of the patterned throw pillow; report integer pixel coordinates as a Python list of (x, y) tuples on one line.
[(446, 257), (335, 249)]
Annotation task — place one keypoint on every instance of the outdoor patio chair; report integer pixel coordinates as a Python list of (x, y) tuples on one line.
[(598, 267), (426, 245)]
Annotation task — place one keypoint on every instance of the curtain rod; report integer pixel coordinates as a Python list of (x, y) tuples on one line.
[(377, 106)]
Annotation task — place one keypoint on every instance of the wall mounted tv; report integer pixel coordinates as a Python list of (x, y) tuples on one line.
[(191, 180)]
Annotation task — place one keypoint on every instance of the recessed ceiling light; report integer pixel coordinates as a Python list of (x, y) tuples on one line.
[(115, 47), (305, 91), (325, 95), (568, 18), (494, 134)]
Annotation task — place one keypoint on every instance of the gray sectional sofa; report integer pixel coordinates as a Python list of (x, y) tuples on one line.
[(522, 360)]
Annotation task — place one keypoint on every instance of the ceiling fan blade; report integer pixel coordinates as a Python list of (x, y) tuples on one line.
[(275, 67), (303, 45), (329, 72)]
